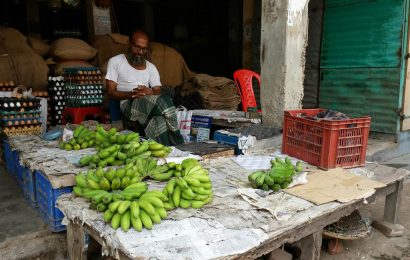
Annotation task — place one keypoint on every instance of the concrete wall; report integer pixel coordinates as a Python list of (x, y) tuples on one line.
[(283, 45)]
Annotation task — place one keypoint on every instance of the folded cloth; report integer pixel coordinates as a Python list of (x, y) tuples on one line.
[(157, 115)]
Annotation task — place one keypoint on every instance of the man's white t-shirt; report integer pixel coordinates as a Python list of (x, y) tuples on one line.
[(127, 77)]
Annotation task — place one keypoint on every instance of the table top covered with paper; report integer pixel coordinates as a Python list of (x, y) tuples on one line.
[(238, 221)]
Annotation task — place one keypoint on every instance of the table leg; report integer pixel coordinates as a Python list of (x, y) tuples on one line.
[(311, 246), (77, 242), (390, 225)]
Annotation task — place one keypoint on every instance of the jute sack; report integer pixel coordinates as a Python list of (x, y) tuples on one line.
[(38, 46), (72, 49), (19, 62), (170, 64), (217, 93), (107, 47)]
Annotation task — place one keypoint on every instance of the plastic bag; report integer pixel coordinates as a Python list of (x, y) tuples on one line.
[(184, 117)]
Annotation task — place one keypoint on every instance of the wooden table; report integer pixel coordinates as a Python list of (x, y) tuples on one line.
[(304, 227)]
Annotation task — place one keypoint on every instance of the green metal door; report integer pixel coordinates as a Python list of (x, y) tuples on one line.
[(361, 59)]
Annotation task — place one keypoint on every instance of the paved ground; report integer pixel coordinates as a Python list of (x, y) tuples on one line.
[(17, 217), (23, 234)]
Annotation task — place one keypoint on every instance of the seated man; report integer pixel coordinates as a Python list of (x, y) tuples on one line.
[(135, 81)]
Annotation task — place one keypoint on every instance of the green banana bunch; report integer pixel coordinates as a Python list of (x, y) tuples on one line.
[(142, 213), (125, 181), (158, 150), (82, 139), (112, 148), (193, 189), (145, 166), (104, 139), (279, 176), (135, 148)]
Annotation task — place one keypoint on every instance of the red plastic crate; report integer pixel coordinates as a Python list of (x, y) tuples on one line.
[(326, 143)]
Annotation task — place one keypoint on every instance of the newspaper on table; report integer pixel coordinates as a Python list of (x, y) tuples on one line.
[(45, 156), (236, 221)]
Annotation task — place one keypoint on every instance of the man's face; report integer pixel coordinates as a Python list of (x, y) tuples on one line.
[(139, 44), (137, 50)]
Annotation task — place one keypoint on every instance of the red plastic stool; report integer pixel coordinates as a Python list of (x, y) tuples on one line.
[(78, 114)]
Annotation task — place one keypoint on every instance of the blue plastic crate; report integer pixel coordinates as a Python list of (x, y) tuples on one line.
[(15, 160), (47, 197), (53, 225), (7, 149), (9, 157), (223, 138), (20, 172), (30, 186)]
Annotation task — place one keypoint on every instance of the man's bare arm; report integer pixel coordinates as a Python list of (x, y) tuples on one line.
[(112, 92)]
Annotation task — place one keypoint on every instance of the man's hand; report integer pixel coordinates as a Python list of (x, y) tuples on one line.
[(141, 91)]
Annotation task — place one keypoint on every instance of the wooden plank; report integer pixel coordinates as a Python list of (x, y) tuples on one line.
[(385, 174), (77, 244), (392, 204), (100, 240), (311, 246)]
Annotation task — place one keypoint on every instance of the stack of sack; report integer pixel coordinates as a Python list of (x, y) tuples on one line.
[(20, 62), (71, 53), (217, 93)]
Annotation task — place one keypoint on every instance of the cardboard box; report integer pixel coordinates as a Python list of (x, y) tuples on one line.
[(200, 128)]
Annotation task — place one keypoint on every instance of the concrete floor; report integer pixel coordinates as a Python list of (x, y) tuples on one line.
[(18, 217), (23, 234)]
